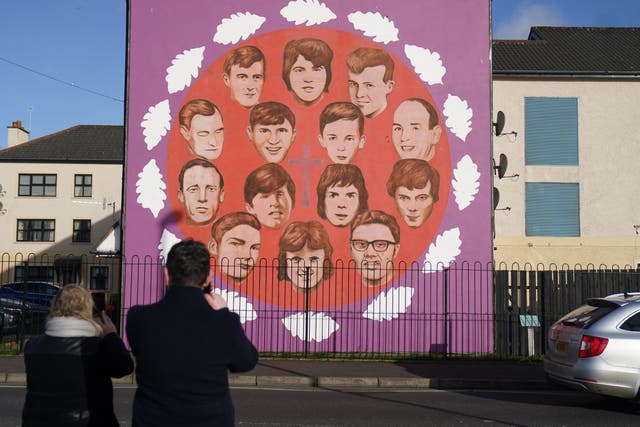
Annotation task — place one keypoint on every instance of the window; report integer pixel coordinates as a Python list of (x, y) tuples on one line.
[(81, 230), (82, 186), (99, 278), (37, 185), (32, 272), (552, 209), (632, 323), (551, 131), (36, 230)]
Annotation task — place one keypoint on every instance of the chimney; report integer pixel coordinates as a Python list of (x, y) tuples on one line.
[(16, 134)]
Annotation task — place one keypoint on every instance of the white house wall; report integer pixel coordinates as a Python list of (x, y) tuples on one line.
[(64, 208), (608, 173)]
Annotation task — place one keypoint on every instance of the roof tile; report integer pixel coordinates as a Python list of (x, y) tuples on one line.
[(78, 144)]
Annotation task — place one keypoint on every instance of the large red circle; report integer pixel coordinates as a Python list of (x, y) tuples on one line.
[(375, 160)]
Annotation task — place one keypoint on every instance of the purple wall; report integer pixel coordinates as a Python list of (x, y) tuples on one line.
[(417, 304)]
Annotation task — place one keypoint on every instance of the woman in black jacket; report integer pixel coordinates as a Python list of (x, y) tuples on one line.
[(69, 368)]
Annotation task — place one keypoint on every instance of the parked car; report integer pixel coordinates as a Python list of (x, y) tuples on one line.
[(596, 347), (9, 318), (40, 293), (19, 316)]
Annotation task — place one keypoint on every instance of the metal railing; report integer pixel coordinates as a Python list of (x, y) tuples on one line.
[(471, 309)]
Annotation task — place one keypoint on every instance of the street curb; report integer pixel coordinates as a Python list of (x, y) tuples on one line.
[(401, 382), (242, 380), (348, 382), (293, 381), (236, 380), (16, 378)]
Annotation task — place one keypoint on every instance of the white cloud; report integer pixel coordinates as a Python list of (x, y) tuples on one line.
[(517, 25)]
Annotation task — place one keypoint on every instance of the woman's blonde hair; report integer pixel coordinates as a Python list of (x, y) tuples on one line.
[(74, 301)]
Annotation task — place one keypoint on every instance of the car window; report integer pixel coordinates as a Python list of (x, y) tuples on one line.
[(51, 290), (586, 315), (32, 287), (632, 323)]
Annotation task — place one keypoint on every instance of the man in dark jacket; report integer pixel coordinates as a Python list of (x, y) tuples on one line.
[(184, 345)]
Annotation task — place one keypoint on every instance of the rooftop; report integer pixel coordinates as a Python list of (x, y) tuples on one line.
[(78, 144), (588, 51)]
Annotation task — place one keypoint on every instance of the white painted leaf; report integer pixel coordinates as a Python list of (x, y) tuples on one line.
[(443, 251), (465, 181), (427, 64), (459, 116), (150, 188), (184, 67), (238, 304), (381, 28), (156, 123), (389, 305), (167, 240), (311, 12), (237, 26), (321, 326)]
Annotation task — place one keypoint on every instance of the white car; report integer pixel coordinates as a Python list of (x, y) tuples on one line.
[(596, 347)]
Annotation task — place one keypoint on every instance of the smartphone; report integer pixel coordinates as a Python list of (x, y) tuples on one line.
[(99, 303)]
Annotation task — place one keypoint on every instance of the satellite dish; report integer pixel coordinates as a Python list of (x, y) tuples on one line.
[(496, 197), (501, 168), (499, 124)]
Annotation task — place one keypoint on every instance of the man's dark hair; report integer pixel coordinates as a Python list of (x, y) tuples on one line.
[(198, 162), (244, 57), (267, 178), (414, 174), (188, 264), (315, 51)]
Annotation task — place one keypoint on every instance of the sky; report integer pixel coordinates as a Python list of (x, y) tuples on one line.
[(64, 65)]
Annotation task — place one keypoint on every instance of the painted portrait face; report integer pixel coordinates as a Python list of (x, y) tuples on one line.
[(205, 135), (307, 80), (411, 135), (373, 249), (297, 263), (272, 142), (368, 91), (245, 84), (200, 194), (238, 251), (342, 140), (414, 206), (272, 209), (341, 204)]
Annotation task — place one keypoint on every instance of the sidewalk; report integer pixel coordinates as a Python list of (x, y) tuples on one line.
[(454, 374)]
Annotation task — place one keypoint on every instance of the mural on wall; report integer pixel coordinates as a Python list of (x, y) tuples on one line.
[(308, 138)]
